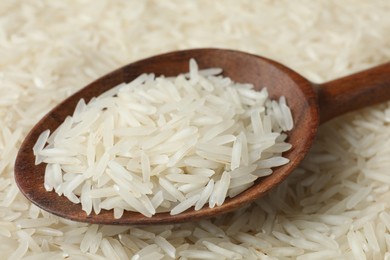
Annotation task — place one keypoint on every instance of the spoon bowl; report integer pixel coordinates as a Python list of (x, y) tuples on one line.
[(310, 105)]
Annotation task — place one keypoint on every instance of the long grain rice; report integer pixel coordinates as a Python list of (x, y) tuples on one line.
[(45, 58), (119, 155)]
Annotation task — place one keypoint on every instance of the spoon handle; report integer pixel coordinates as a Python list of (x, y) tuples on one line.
[(353, 92)]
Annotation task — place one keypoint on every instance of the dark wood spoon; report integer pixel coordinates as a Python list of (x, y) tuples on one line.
[(311, 105)]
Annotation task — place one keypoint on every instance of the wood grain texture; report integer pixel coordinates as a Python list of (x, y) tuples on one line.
[(301, 96), (355, 91)]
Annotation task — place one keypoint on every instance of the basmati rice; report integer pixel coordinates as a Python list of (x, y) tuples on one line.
[(45, 59), (98, 123)]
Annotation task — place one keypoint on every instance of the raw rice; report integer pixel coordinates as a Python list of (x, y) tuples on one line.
[(185, 133), (49, 49)]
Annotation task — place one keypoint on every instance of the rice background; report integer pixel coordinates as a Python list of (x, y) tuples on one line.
[(336, 206)]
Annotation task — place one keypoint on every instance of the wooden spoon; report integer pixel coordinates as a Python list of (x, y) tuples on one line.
[(311, 105)]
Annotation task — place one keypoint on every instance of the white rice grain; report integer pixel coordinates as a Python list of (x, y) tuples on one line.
[(185, 204), (355, 245), (40, 144), (167, 247), (200, 254)]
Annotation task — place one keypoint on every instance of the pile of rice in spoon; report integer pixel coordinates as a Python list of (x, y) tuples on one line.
[(160, 144)]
